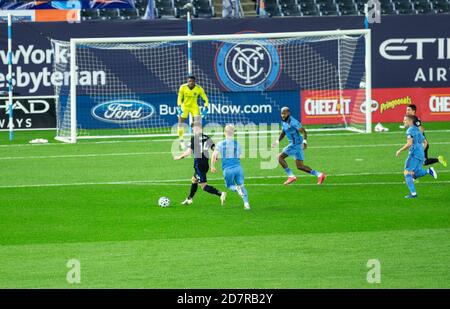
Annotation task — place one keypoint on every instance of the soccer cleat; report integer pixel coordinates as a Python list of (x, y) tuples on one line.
[(411, 196), (321, 178), (223, 197), (246, 206), (432, 172), (442, 161), (187, 201), (290, 180)]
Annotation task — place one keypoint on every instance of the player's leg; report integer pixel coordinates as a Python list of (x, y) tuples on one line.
[(429, 161), (239, 180), (194, 187), (282, 160), (412, 164), (201, 174), (299, 158), (182, 124), (195, 112)]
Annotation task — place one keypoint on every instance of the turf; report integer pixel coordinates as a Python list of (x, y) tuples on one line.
[(96, 201)]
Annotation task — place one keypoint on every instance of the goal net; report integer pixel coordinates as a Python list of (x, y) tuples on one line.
[(127, 87)]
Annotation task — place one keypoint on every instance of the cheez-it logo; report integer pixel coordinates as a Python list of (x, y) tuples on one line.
[(439, 103)]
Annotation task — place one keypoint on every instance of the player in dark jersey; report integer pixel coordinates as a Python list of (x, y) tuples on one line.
[(200, 146), (411, 110)]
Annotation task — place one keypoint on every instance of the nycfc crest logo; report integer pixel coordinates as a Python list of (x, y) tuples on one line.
[(247, 66)]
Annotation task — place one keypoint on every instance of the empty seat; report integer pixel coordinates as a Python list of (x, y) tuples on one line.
[(330, 13), (273, 9), (423, 7), (180, 3), (206, 12), (167, 12), (109, 14), (88, 14), (291, 10), (164, 4), (201, 4), (285, 3), (127, 14)]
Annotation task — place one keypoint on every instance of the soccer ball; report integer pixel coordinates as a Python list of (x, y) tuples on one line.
[(164, 202)]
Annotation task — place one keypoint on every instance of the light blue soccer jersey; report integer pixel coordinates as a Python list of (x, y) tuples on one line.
[(291, 128), (230, 151), (416, 150)]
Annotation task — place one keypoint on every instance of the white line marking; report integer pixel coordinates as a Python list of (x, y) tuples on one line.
[(187, 180), (119, 154), (171, 139)]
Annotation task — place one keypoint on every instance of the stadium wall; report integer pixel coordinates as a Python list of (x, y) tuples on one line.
[(410, 55)]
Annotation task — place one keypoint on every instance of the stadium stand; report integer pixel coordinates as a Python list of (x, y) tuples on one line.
[(170, 9)]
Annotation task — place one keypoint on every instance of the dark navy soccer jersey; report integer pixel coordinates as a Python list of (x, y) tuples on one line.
[(418, 123), (200, 146)]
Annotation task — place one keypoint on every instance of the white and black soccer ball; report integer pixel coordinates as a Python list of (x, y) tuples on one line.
[(164, 201)]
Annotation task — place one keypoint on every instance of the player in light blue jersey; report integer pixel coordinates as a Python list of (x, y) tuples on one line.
[(297, 136), (416, 156), (230, 152)]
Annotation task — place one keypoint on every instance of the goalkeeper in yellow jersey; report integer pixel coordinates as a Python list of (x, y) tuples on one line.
[(188, 104)]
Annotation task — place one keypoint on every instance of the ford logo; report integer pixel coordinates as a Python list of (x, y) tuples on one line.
[(123, 111)]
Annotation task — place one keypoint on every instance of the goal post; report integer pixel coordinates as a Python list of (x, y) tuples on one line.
[(127, 86)]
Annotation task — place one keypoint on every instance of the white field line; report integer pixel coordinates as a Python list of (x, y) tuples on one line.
[(175, 182), (171, 139), (119, 154)]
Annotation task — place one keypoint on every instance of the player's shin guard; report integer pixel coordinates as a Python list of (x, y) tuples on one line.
[(410, 183), (212, 190), (194, 188)]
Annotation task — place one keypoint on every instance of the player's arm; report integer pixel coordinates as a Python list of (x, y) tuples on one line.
[(282, 135), (214, 158), (305, 136), (408, 144), (204, 97), (185, 154), (180, 101)]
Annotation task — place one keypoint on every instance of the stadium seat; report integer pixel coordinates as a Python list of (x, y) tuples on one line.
[(348, 9), (207, 12), (330, 13), (423, 7), (328, 7), (109, 14), (388, 9), (291, 10), (167, 12), (285, 3), (164, 4), (403, 7), (309, 9), (127, 14), (321, 3), (202, 4), (88, 14), (441, 6), (180, 3), (273, 9)]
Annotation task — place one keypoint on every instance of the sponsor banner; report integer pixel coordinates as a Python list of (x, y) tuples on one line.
[(433, 104), (29, 113), (331, 106), (388, 105), (160, 109)]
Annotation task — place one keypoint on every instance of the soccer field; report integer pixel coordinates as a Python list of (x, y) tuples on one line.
[(96, 201)]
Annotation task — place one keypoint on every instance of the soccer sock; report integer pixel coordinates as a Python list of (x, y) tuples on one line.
[(212, 190), (288, 172), (245, 195), (431, 161), (410, 183), (315, 173), (180, 133), (194, 188)]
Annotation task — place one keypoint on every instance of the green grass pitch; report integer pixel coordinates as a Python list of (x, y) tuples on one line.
[(96, 202)]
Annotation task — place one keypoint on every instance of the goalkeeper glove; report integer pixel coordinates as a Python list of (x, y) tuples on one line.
[(204, 111), (179, 111)]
